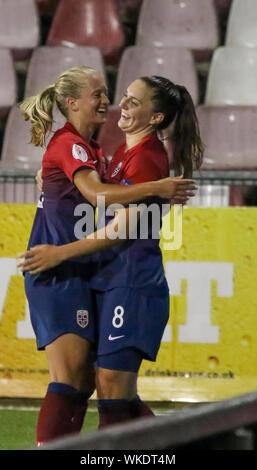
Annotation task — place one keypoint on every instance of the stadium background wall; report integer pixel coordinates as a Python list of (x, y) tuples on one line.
[(212, 278)]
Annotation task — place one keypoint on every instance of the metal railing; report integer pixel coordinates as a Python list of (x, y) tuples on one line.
[(19, 185), (224, 425)]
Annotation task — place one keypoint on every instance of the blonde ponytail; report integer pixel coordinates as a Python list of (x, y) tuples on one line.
[(39, 111)]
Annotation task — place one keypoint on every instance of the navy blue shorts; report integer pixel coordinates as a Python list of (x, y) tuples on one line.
[(128, 319), (59, 305), (126, 360)]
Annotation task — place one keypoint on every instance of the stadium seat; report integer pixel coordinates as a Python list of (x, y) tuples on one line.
[(88, 23), (175, 63), (230, 137), (7, 82), (17, 151), (232, 77), (19, 27), (110, 136), (47, 7), (47, 63), (179, 24), (242, 24)]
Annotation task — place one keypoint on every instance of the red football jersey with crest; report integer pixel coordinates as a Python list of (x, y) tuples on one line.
[(56, 216), (136, 263), (146, 161)]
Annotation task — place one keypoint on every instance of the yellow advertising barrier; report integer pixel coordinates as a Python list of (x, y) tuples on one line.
[(209, 348)]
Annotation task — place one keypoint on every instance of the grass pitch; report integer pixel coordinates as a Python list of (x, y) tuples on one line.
[(18, 427)]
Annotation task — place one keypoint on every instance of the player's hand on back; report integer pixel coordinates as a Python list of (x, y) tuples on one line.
[(176, 188), (40, 258)]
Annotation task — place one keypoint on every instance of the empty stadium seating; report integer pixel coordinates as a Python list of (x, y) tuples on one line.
[(179, 24), (19, 27), (7, 82), (230, 137), (17, 151), (167, 30), (177, 64), (242, 24), (232, 77), (47, 63), (88, 23), (110, 136)]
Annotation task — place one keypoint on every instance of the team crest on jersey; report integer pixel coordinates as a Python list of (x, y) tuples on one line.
[(125, 182), (82, 318), (117, 169), (79, 153)]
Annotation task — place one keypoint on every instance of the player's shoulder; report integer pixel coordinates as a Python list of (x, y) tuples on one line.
[(150, 149), (68, 140), (68, 135), (149, 159), (152, 144)]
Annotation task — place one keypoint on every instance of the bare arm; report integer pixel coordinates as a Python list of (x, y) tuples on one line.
[(89, 184), (43, 257)]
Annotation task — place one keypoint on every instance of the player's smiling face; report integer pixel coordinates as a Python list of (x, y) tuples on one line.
[(136, 108), (93, 101)]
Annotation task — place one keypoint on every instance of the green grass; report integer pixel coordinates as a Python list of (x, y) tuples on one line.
[(18, 427)]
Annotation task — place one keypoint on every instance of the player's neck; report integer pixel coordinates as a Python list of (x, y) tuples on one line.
[(86, 131), (134, 139)]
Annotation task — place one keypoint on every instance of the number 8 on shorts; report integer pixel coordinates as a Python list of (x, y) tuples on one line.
[(118, 320)]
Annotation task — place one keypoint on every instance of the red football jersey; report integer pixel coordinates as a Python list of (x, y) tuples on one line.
[(68, 151), (135, 263), (56, 217), (146, 161)]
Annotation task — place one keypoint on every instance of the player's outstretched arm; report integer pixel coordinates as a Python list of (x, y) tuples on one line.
[(89, 184), (42, 257)]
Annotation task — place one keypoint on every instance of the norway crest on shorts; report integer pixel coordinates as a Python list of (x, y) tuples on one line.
[(82, 318)]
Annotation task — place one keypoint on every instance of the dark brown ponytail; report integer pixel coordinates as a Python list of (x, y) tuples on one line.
[(175, 103), (188, 151)]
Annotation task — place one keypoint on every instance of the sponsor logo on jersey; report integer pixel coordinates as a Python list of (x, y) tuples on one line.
[(112, 338), (82, 318), (117, 169), (79, 153)]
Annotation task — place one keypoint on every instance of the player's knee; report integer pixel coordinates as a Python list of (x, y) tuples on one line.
[(73, 374), (106, 377), (115, 384), (107, 383)]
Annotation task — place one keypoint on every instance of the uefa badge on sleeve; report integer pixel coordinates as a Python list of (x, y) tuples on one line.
[(79, 153), (82, 318)]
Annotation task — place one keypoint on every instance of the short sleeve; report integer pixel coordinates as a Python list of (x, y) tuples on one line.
[(75, 155)]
